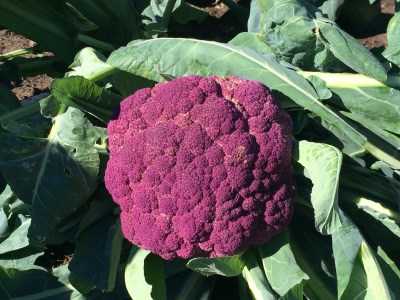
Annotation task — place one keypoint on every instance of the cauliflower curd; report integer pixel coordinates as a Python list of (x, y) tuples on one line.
[(201, 166)]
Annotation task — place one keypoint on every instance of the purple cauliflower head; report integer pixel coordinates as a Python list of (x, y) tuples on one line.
[(201, 166)]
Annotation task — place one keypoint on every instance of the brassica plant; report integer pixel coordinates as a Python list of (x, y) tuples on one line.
[(343, 240)]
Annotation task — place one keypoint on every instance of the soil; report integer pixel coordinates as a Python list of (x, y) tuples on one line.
[(221, 25)]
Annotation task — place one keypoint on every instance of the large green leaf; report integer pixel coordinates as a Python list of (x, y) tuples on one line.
[(181, 57), (322, 162), (226, 266), (37, 168), (144, 275), (392, 52), (280, 266)]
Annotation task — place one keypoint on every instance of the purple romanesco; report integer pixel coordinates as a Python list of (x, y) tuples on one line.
[(201, 166)]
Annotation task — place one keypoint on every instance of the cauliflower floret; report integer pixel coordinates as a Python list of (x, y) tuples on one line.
[(201, 166)]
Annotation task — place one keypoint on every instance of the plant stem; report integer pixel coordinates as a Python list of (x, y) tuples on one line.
[(167, 13), (102, 74), (382, 155), (20, 113), (344, 80), (19, 52), (94, 42)]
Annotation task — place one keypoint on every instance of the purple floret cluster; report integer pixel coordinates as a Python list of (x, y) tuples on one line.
[(201, 166)]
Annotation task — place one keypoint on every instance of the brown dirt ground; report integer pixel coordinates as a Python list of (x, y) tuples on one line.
[(29, 86), (221, 26)]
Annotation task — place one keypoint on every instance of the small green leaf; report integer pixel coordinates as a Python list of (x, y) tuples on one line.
[(21, 259), (18, 238), (323, 163), (279, 263), (320, 87), (8, 100), (144, 275), (81, 93), (226, 266), (392, 52), (87, 62), (251, 40)]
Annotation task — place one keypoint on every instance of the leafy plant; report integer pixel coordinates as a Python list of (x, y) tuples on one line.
[(344, 239)]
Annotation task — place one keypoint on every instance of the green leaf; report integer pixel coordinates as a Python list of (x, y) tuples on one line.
[(351, 52), (297, 33), (254, 276), (323, 163), (379, 105), (181, 57), (97, 253), (388, 217), (144, 275), (229, 266), (392, 52), (254, 21), (191, 285), (320, 87), (81, 93), (346, 242), (87, 62), (118, 22), (295, 292), (21, 259), (36, 168), (250, 40), (332, 8), (100, 206), (36, 283), (127, 84), (279, 263), (390, 262), (187, 12), (367, 279), (313, 253), (18, 238), (390, 270), (8, 100)]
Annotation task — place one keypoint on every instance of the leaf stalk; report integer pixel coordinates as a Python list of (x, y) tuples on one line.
[(167, 13), (347, 80)]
